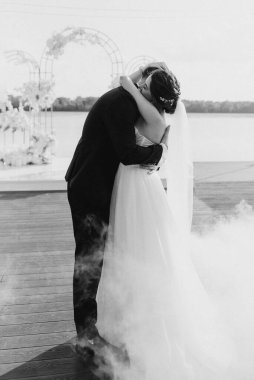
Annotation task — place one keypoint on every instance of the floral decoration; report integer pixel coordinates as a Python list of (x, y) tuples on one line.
[(13, 119), (41, 145), (39, 152), (56, 44), (37, 95)]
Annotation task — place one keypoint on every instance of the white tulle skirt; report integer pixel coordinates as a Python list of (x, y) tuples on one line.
[(150, 298)]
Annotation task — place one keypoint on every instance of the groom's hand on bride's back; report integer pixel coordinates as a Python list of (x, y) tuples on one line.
[(150, 169)]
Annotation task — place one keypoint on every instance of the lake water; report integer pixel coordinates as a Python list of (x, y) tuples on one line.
[(215, 137)]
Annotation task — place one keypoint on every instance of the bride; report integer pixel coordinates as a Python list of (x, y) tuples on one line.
[(150, 299)]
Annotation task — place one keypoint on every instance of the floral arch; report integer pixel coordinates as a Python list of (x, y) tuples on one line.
[(56, 44)]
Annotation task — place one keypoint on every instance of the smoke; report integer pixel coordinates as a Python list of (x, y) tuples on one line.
[(223, 258), (223, 255), (91, 235)]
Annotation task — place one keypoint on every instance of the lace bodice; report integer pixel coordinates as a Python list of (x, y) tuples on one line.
[(142, 140)]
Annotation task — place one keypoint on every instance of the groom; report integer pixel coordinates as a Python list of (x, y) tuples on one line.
[(108, 138)]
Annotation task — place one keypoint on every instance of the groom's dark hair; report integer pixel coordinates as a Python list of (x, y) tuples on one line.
[(148, 71), (165, 90)]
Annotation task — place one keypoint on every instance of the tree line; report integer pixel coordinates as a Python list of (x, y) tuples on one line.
[(80, 104), (207, 106)]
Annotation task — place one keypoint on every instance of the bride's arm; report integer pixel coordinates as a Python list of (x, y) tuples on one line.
[(150, 114), (137, 75)]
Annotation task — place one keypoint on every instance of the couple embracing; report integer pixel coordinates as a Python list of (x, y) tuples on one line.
[(134, 285)]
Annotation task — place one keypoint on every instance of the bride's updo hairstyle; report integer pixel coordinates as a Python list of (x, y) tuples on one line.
[(165, 90)]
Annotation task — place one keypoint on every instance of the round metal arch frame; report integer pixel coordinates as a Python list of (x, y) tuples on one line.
[(93, 36), (136, 62)]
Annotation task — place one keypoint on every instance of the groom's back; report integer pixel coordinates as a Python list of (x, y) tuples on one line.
[(94, 164)]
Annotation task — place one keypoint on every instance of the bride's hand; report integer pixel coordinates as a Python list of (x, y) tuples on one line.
[(157, 65), (127, 83)]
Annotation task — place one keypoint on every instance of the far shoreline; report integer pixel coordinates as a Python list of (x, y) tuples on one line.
[(84, 104)]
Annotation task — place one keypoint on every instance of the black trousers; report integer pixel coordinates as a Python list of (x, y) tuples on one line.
[(90, 231)]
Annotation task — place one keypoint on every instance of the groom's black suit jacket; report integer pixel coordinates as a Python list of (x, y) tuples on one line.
[(108, 138)]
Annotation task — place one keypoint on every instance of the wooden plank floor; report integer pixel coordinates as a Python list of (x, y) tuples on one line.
[(36, 263)]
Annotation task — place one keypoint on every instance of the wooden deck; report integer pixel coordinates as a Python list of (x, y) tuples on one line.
[(36, 263)]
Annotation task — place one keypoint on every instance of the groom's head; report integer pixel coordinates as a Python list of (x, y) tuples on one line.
[(161, 88), (146, 73)]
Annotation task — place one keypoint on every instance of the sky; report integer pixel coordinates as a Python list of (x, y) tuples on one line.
[(208, 44)]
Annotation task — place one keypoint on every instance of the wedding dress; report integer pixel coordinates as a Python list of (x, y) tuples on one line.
[(150, 298)]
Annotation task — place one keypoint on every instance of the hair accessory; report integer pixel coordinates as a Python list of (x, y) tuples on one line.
[(171, 101)]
